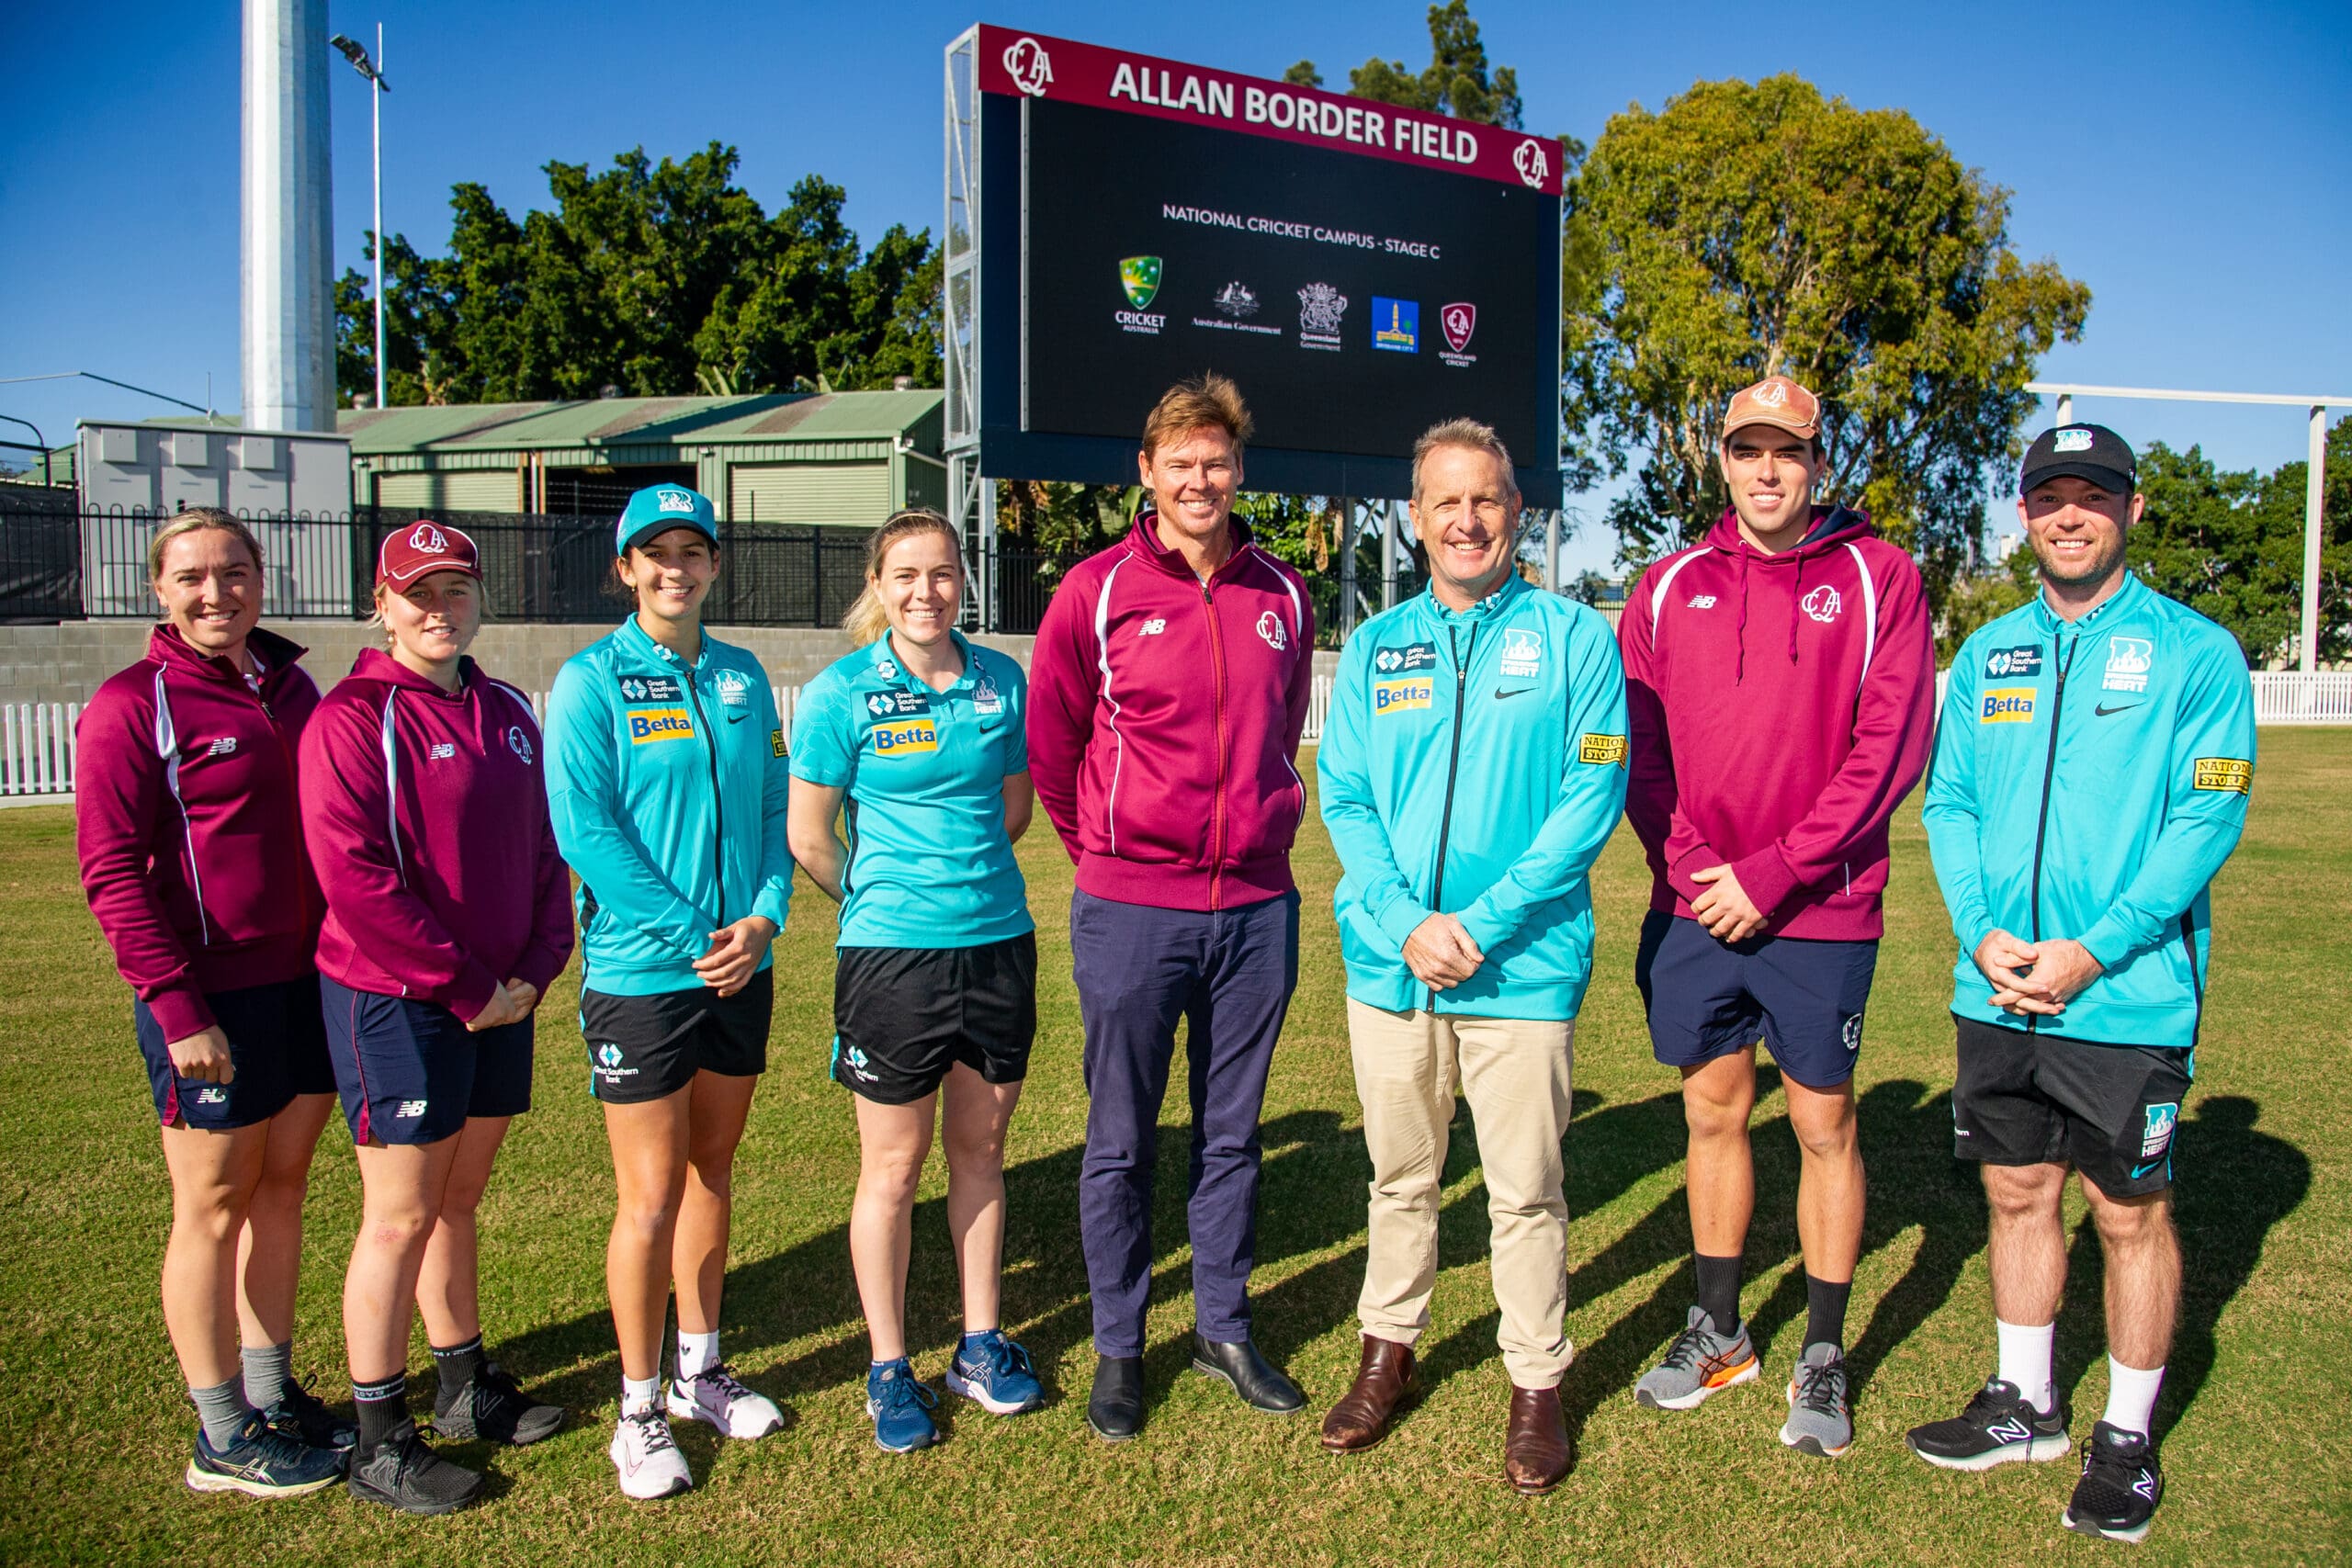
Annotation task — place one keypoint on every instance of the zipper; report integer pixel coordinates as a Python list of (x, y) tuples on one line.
[(293, 774), (2065, 660), (1453, 766), (717, 806), (1216, 801)]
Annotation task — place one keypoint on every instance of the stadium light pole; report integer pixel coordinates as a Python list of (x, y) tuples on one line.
[(373, 70)]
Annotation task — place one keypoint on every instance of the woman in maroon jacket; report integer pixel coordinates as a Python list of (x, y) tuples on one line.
[(448, 912), (185, 784)]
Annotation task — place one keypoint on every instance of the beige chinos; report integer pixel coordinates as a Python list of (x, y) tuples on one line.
[(1516, 1076)]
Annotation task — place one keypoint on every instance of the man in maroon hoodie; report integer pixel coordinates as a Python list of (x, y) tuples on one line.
[(1167, 693), (1780, 688)]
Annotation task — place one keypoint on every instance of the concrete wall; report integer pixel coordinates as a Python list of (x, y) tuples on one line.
[(64, 663)]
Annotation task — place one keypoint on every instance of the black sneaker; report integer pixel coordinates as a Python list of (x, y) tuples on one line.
[(261, 1462), (404, 1473), (489, 1406), (1998, 1426), (298, 1414), (2120, 1487)]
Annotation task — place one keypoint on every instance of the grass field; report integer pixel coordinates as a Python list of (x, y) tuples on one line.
[(94, 1427)]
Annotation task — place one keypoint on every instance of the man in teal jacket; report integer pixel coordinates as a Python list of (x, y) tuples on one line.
[(1472, 765), (2091, 774)]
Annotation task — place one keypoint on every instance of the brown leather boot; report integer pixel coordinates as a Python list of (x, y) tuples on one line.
[(1535, 1453), (1387, 1377)]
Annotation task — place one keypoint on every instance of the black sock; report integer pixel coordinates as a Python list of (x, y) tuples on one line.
[(382, 1406), (1719, 1289), (1824, 1312), (457, 1366)]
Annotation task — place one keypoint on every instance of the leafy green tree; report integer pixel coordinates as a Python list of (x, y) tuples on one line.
[(654, 278), (1751, 228), (1457, 82)]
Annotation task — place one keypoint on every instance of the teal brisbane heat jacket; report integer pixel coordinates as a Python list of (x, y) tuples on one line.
[(2089, 779), (667, 784), (1474, 763)]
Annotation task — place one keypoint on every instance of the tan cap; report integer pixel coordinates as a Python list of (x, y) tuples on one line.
[(1775, 401)]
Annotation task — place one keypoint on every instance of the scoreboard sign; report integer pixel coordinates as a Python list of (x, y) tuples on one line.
[(1362, 271)]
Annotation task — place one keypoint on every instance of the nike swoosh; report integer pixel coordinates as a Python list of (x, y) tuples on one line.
[(1501, 694), (2102, 711), (2142, 1171)]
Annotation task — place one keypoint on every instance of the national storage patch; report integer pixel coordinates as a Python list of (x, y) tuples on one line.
[(1601, 750), (899, 737), (649, 725), (1395, 693), (2225, 773), (2006, 705)]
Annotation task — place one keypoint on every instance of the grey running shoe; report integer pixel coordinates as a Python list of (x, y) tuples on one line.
[(1700, 1362), (1820, 1421)]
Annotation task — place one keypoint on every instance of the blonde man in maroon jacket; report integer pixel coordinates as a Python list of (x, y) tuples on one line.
[(1780, 689), (1167, 693)]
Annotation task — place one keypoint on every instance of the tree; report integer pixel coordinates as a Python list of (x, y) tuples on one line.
[(654, 278), (1457, 82), (1752, 229)]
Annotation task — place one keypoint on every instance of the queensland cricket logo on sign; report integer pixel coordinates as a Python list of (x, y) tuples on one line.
[(1533, 167), (1027, 64)]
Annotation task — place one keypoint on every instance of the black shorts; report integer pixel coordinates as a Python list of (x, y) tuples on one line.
[(642, 1048), (1707, 999), (903, 1016), (2109, 1110), (278, 1049)]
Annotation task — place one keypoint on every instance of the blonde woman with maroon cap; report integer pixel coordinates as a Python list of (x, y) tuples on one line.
[(448, 914)]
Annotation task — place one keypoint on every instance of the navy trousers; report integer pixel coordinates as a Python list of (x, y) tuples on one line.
[(1229, 976)]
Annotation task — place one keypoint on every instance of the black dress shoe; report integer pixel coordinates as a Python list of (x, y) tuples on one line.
[(1259, 1381), (1115, 1407)]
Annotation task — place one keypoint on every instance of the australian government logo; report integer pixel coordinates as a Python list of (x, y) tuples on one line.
[(1235, 304), (1458, 320), (1395, 324), (1321, 312), (1139, 277)]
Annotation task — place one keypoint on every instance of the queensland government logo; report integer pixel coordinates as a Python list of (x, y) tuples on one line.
[(1395, 324), (1031, 70), (1139, 277), (1322, 309), (1459, 319)]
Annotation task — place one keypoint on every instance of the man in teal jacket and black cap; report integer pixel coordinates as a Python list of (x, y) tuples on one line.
[(1472, 765), (2091, 775)]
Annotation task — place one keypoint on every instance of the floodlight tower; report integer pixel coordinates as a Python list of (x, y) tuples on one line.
[(373, 70), (286, 250)]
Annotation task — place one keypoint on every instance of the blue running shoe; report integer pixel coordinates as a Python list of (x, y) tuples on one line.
[(902, 1406), (995, 1374), (262, 1461)]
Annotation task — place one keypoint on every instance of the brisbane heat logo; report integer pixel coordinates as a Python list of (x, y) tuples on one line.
[(1533, 165), (1030, 69)]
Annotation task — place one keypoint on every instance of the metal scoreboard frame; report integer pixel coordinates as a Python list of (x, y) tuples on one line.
[(989, 261)]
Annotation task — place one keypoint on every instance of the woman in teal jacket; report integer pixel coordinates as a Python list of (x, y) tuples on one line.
[(667, 783)]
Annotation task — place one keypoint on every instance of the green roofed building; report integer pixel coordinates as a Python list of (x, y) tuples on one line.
[(839, 458)]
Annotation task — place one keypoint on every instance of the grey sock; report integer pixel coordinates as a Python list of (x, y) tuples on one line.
[(222, 1409), (267, 1371)]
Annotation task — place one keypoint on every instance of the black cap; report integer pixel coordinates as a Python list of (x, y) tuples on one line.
[(2089, 452)]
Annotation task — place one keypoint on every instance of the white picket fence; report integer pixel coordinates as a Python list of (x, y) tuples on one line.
[(37, 739)]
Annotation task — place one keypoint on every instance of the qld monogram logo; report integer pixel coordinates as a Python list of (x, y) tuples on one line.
[(1271, 628), (1823, 604), (1030, 71), (1534, 167), (1459, 322), (518, 743), (424, 536)]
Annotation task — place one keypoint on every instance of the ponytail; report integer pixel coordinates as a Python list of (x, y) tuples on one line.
[(867, 620)]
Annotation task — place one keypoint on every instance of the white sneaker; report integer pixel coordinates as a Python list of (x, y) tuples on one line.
[(649, 1462), (715, 1396)]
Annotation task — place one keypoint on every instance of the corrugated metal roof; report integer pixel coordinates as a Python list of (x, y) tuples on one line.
[(637, 421)]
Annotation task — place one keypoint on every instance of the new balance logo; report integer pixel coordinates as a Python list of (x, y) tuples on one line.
[(410, 1107), (2010, 1431), (1701, 601), (2145, 1486)]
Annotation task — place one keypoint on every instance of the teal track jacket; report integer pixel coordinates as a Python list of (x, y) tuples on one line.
[(1474, 763), (667, 784), (2089, 779)]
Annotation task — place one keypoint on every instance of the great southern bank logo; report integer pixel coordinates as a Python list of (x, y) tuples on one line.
[(1029, 67)]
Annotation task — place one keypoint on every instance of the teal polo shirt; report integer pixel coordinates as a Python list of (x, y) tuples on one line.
[(924, 772)]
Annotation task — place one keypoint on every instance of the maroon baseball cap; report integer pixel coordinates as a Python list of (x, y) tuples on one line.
[(423, 548)]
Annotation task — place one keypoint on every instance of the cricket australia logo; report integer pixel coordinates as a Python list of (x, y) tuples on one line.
[(1533, 165), (424, 536), (1270, 627), (1823, 604), (1029, 67)]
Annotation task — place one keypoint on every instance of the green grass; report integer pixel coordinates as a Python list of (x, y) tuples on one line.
[(94, 1427)]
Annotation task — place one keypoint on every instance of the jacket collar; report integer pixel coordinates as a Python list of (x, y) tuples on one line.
[(1831, 527), (635, 639), (165, 645), (375, 664), (1493, 606), (884, 662), (1143, 538), (2116, 605)]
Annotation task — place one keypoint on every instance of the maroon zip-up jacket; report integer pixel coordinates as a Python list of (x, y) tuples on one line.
[(428, 820), (187, 819), (1164, 719), (1780, 707)]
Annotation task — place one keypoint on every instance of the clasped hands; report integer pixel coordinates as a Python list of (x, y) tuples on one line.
[(2030, 977)]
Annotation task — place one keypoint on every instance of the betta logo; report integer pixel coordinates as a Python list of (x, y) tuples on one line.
[(1822, 603), (425, 537), (1534, 168), (1030, 71), (1459, 320), (519, 743)]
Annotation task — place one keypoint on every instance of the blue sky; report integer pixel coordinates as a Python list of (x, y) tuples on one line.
[(2194, 165)]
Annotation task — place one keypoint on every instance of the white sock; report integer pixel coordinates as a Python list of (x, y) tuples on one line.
[(2025, 1360), (696, 1353), (2131, 1396), (636, 1395)]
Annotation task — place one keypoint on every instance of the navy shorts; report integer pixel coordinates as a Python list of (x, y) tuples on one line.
[(412, 1073), (277, 1048), (649, 1048), (1706, 998)]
